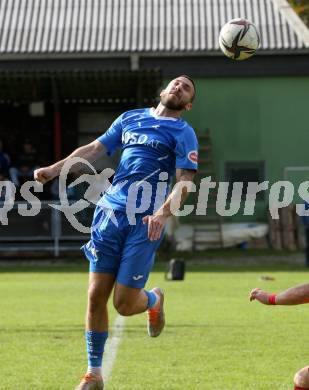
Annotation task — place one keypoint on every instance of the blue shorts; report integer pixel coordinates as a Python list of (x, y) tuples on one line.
[(118, 248)]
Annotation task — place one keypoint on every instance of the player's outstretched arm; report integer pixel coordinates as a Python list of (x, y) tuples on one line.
[(175, 200), (90, 152), (293, 296)]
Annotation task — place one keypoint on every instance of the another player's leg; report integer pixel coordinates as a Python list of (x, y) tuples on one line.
[(301, 379), (129, 301), (100, 287)]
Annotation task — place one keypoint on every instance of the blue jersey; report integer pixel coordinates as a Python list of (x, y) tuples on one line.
[(152, 148)]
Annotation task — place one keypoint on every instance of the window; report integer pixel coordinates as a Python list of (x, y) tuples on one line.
[(245, 171)]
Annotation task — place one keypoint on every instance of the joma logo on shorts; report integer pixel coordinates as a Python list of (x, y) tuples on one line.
[(138, 277)]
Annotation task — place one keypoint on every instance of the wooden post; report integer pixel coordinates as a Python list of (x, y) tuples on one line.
[(288, 228), (274, 233), (57, 122)]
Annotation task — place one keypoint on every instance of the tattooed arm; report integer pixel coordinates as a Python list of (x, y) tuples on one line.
[(179, 194), (175, 200)]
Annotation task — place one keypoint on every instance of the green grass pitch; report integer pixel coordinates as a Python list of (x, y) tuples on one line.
[(214, 339)]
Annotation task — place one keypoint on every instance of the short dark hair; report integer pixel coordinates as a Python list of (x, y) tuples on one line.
[(193, 83)]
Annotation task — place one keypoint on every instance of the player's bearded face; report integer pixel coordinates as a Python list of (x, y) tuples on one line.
[(172, 102), (176, 95)]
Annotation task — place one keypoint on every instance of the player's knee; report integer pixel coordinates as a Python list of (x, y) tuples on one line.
[(124, 310), (301, 378), (123, 307)]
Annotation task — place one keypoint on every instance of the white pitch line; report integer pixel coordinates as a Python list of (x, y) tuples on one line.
[(112, 344)]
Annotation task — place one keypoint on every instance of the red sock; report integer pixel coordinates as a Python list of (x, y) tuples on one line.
[(300, 388)]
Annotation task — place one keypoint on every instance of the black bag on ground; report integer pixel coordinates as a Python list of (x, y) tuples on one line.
[(176, 270)]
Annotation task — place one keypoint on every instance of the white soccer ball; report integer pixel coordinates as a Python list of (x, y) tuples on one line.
[(239, 39)]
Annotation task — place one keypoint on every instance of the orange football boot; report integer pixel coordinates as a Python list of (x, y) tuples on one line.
[(156, 317), (91, 382)]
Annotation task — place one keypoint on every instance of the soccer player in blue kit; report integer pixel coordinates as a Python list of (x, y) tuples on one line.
[(155, 143)]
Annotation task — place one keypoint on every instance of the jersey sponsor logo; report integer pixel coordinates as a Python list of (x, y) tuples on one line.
[(129, 138), (193, 156), (134, 138)]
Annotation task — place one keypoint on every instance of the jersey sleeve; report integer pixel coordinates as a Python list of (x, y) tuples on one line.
[(186, 149), (112, 138)]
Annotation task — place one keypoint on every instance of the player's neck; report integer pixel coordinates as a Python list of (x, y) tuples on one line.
[(161, 110)]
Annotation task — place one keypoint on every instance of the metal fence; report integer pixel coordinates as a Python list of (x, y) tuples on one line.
[(48, 231)]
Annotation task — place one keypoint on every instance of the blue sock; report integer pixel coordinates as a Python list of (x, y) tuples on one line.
[(152, 299), (95, 347)]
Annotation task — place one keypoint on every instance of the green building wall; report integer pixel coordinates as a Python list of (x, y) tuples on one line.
[(255, 119)]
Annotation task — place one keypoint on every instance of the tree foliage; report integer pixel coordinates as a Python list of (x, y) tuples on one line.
[(302, 9)]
